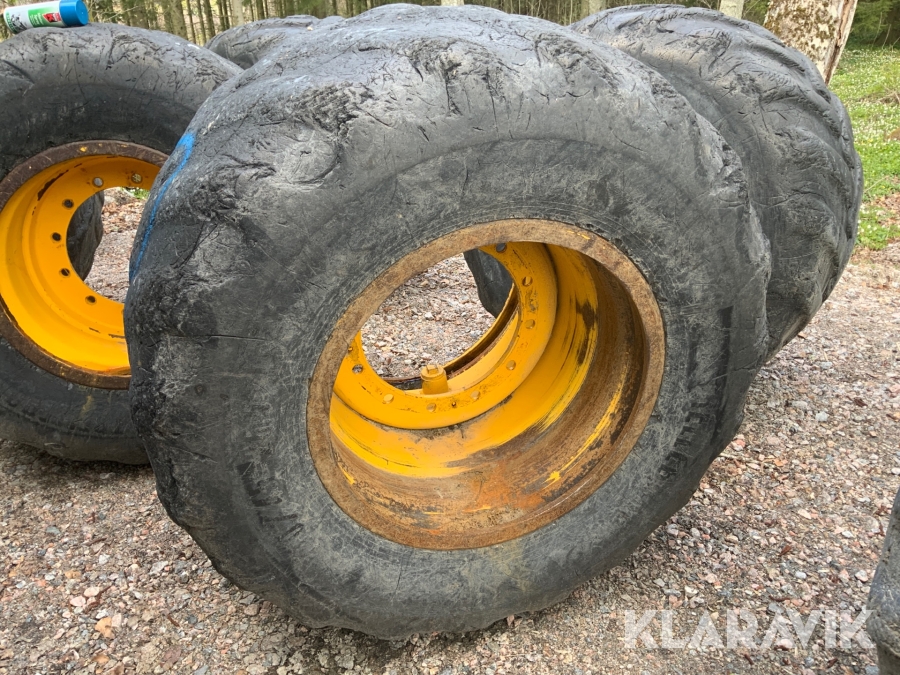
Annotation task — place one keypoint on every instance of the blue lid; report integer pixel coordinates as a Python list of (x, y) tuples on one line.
[(73, 12)]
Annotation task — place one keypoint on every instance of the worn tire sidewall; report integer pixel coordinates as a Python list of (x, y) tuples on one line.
[(697, 412)]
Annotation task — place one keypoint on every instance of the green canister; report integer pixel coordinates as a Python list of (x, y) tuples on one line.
[(60, 14)]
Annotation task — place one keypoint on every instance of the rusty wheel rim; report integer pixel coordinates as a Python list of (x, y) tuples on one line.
[(421, 468)]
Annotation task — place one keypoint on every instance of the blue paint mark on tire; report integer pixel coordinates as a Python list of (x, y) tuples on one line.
[(185, 147)]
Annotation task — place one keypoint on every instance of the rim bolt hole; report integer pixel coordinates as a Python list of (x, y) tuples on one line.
[(529, 323), (500, 248), (511, 365), (527, 281), (137, 178), (64, 272), (91, 300), (388, 398), (68, 203), (357, 369), (98, 182), (56, 236), (431, 407)]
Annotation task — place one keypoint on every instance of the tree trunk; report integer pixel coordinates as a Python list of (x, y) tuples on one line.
[(191, 21), (818, 28), (201, 24), (223, 16), (134, 14), (210, 26), (733, 8), (152, 14), (104, 12), (237, 13), (167, 15), (178, 19), (589, 7), (174, 17)]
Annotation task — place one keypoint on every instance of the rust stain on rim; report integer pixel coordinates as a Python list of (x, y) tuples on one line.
[(555, 437)]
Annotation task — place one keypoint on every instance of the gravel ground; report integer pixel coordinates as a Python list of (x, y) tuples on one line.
[(788, 521), (121, 216)]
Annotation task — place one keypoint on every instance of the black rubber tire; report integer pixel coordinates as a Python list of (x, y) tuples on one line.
[(883, 626), (99, 82), (492, 281), (792, 134), (84, 234), (246, 44), (274, 220)]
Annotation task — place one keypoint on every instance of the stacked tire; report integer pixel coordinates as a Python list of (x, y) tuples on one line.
[(246, 44), (792, 134)]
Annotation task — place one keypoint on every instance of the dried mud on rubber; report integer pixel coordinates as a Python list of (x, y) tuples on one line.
[(95, 579)]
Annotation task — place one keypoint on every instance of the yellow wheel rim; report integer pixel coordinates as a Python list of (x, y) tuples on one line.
[(46, 311), (514, 434)]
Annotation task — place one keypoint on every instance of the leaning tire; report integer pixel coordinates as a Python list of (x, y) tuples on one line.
[(246, 44), (492, 281), (792, 135), (624, 219), (84, 109), (84, 234), (884, 624)]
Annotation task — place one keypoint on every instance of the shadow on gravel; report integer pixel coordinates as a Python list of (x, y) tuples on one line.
[(49, 472)]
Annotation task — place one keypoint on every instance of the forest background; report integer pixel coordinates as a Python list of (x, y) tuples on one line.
[(877, 22), (868, 81)]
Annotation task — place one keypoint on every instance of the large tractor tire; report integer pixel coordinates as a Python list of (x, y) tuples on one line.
[(246, 44), (369, 152), (792, 134), (84, 109)]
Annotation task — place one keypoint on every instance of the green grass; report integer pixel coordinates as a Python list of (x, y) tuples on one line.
[(139, 193), (868, 82)]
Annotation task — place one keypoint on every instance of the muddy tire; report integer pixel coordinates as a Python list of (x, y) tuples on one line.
[(273, 239), (883, 626), (84, 109), (246, 44), (792, 134)]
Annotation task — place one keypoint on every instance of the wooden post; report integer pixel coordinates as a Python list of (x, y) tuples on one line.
[(818, 28)]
